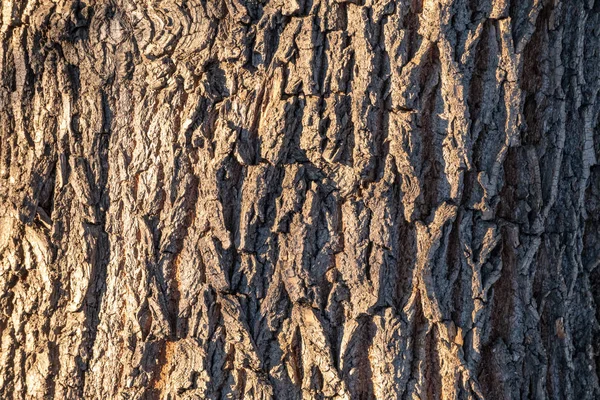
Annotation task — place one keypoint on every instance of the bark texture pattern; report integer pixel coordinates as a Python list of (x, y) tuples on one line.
[(299, 199)]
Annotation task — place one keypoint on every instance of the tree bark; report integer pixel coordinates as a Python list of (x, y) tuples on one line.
[(286, 199)]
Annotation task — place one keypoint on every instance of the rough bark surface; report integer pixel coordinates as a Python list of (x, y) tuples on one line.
[(317, 199)]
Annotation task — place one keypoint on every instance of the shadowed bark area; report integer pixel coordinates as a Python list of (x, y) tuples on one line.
[(299, 199)]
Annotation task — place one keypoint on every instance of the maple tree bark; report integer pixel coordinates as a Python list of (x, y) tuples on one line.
[(318, 199)]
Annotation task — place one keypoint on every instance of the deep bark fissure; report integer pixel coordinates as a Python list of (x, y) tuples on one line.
[(292, 199)]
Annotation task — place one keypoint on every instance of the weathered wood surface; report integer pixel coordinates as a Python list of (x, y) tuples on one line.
[(290, 199)]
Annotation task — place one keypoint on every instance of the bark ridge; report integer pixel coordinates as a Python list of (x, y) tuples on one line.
[(299, 199)]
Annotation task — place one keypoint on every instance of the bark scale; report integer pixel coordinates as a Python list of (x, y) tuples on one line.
[(290, 199)]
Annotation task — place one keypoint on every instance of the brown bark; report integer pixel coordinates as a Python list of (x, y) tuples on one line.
[(328, 199)]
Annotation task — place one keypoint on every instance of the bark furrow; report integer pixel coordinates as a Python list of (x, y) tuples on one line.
[(299, 199)]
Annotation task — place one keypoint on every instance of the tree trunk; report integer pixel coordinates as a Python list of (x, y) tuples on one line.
[(299, 199)]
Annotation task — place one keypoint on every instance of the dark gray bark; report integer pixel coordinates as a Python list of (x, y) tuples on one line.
[(290, 199)]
